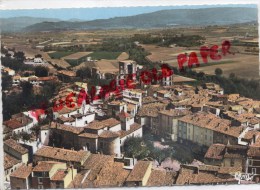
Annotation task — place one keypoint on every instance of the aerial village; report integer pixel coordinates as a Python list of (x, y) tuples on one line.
[(85, 145)]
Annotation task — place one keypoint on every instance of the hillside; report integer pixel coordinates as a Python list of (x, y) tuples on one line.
[(18, 23), (175, 17)]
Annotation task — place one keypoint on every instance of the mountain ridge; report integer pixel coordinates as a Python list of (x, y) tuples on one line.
[(162, 18)]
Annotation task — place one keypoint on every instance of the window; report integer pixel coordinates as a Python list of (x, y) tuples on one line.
[(39, 180), (253, 170), (250, 162)]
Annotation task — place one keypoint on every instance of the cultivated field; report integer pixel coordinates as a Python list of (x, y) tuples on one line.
[(77, 55), (244, 63)]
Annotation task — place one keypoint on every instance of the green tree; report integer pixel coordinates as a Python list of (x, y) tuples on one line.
[(135, 147), (6, 81), (84, 73), (36, 130), (16, 136), (25, 136), (41, 71), (27, 89), (218, 71), (19, 56)]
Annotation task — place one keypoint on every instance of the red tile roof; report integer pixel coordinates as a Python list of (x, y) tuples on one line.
[(16, 146), (18, 121), (133, 128), (68, 128), (10, 161), (62, 154), (111, 122), (108, 134), (22, 172), (44, 166), (59, 175), (215, 151), (253, 151), (139, 170), (161, 178)]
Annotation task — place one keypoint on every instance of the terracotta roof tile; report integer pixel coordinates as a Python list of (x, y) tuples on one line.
[(108, 134), (18, 121), (175, 112), (68, 128), (94, 163), (10, 161), (212, 122), (44, 166), (220, 151), (148, 99), (23, 171), (139, 171), (190, 176), (161, 178), (133, 128), (111, 175), (16, 146), (66, 119), (59, 175), (111, 122), (151, 109), (253, 151), (62, 154), (89, 135)]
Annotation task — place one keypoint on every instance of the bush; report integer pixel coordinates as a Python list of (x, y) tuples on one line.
[(218, 71)]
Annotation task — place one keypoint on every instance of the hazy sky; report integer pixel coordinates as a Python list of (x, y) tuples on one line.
[(98, 13)]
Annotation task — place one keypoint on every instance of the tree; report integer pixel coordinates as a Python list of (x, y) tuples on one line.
[(134, 147), (218, 71), (27, 89), (84, 73), (16, 136), (36, 129), (19, 56), (41, 71), (25, 136), (38, 56), (6, 81), (232, 75)]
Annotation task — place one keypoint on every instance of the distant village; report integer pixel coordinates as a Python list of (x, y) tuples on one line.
[(83, 146)]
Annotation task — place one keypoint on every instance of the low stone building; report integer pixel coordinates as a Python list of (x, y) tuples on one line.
[(76, 158), (51, 174), (16, 150), (21, 178), (10, 165)]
